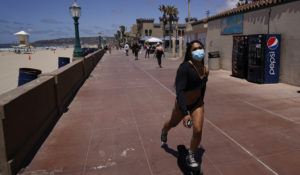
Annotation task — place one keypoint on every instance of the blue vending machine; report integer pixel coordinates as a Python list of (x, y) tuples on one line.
[(263, 58), (272, 58)]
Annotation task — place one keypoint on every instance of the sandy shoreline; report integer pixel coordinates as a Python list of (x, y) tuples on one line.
[(44, 60)]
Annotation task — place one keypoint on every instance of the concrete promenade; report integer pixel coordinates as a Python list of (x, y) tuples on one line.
[(114, 123)]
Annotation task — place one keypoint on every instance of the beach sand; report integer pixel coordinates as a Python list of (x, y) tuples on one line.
[(44, 60)]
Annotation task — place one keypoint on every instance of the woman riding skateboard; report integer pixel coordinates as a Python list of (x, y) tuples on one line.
[(190, 86)]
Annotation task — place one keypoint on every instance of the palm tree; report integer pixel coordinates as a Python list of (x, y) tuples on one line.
[(126, 38), (122, 30), (172, 12), (118, 35), (163, 9)]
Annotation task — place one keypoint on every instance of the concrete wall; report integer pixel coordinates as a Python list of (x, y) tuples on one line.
[(199, 32), (283, 20), (91, 60), (68, 80), (157, 32), (147, 26), (27, 112), (256, 22), (221, 43)]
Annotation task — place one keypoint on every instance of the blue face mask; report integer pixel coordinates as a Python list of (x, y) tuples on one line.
[(198, 54)]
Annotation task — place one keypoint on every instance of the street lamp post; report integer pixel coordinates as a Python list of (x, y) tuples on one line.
[(104, 41), (176, 29), (75, 12), (104, 44), (99, 46)]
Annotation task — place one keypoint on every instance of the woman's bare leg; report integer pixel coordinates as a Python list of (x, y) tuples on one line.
[(198, 119), (176, 117)]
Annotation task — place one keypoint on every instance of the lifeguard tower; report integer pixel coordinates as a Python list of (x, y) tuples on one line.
[(23, 46)]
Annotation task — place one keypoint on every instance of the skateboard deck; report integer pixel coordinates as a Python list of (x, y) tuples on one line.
[(182, 153)]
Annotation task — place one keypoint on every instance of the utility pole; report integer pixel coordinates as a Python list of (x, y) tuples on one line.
[(207, 13), (189, 26), (189, 13)]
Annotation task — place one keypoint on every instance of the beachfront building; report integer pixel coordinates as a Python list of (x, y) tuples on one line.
[(133, 34), (146, 28), (262, 17)]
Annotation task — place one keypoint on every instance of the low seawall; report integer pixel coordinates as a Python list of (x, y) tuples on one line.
[(28, 112)]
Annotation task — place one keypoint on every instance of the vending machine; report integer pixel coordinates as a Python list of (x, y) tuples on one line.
[(272, 58), (240, 56), (263, 58)]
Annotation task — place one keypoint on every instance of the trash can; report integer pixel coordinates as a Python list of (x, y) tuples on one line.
[(214, 60), (27, 74), (85, 51), (62, 61)]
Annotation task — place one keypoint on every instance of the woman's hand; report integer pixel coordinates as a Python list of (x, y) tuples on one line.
[(185, 120)]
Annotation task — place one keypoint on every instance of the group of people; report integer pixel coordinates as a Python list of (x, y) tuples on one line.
[(135, 50), (158, 53), (108, 48)]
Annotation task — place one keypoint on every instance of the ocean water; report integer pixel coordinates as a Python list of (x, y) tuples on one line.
[(6, 49), (10, 49)]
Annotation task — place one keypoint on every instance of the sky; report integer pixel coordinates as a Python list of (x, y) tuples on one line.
[(51, 19)]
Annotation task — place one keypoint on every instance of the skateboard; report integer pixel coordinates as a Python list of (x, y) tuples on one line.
[(182, 153)]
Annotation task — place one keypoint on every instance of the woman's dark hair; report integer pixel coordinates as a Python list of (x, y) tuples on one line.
[(188, 53), (188, 56)]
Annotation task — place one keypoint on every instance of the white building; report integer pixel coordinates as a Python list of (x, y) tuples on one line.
[(262, 17)]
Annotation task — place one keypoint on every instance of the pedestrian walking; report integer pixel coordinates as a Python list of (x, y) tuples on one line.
[(190, 86), (132, 49), (159, 51), (147, 51), (105, 48), (136, 49), (109, 48), (126, 49)]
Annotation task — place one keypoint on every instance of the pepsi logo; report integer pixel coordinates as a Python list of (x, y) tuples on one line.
[(273, 43)]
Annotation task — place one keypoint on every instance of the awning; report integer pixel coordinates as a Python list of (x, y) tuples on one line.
[(154, 40), (144, 38)]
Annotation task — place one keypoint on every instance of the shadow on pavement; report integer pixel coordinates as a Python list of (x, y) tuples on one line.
[(181, 153)]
